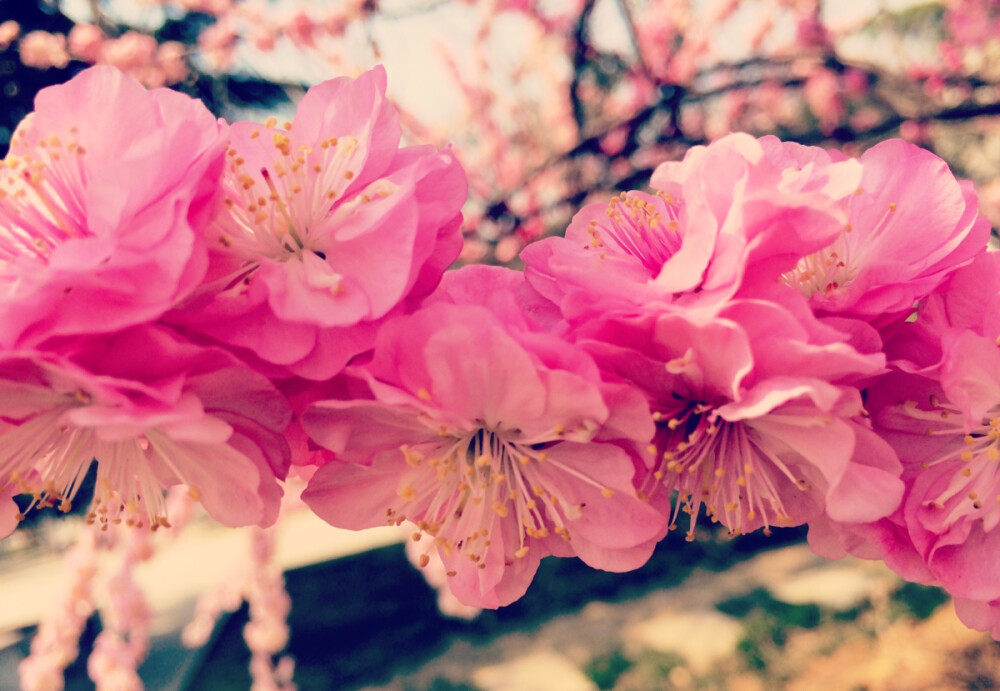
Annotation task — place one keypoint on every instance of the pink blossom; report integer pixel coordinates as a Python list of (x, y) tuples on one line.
[(754, 425), (942, 416), (56, 644), (105, 188), (9, 31), (910, 224), (822, 92), (171, 58), (42, 50), (730, 216), (131, 51), (300, 29), (123, 643), (217, 44), (85, 41), (436, 574), (154, 411), (328, 227), (498, 441), (979, 615)]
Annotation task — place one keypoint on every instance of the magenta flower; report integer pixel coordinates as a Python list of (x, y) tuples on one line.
[(328, 226), (728, 218), (101, 198), (499, 442), (754, 424), (910, 224), (941, 413), (154, 411)]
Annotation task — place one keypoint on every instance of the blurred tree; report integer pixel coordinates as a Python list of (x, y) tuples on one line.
[(548, 103)]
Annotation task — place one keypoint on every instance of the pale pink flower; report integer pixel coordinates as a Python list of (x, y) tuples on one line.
[(9, 31), (154, 411), (85, 41), (498, 441), (300, 29), (217, 44), (328, 227), (729, 217), (103, 191), (910, 224), (130, 51), (56, 643), (42, 50), (979, 615), (822, 92), (171, 58), (123, 642)]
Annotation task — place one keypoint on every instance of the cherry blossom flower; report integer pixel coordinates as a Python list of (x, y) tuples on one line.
[(328, 227), (101, 198), (85, 42), (942, 415), (754, 424), (729, 216), (9, 31), (436, 574), (57, 642), (498, 441), (42, 50), (154, 411), (910, 224)]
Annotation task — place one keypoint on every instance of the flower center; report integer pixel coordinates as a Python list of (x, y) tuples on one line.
[(49, 460), (974, 487), (461, 485), (836, 265), (40, 205), (275, 207), (640, 225), (723, 467)]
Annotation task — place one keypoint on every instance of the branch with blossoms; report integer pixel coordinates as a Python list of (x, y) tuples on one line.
[(773, 335)]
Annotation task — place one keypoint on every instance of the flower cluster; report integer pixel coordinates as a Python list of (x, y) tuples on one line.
[(770, 335), (163, 274)]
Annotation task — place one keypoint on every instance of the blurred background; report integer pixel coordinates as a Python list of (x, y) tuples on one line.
[(548, 104)]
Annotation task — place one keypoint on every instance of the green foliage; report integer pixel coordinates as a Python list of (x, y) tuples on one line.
[(800, 616), (919, 601), (605, 670), (767, 624)]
